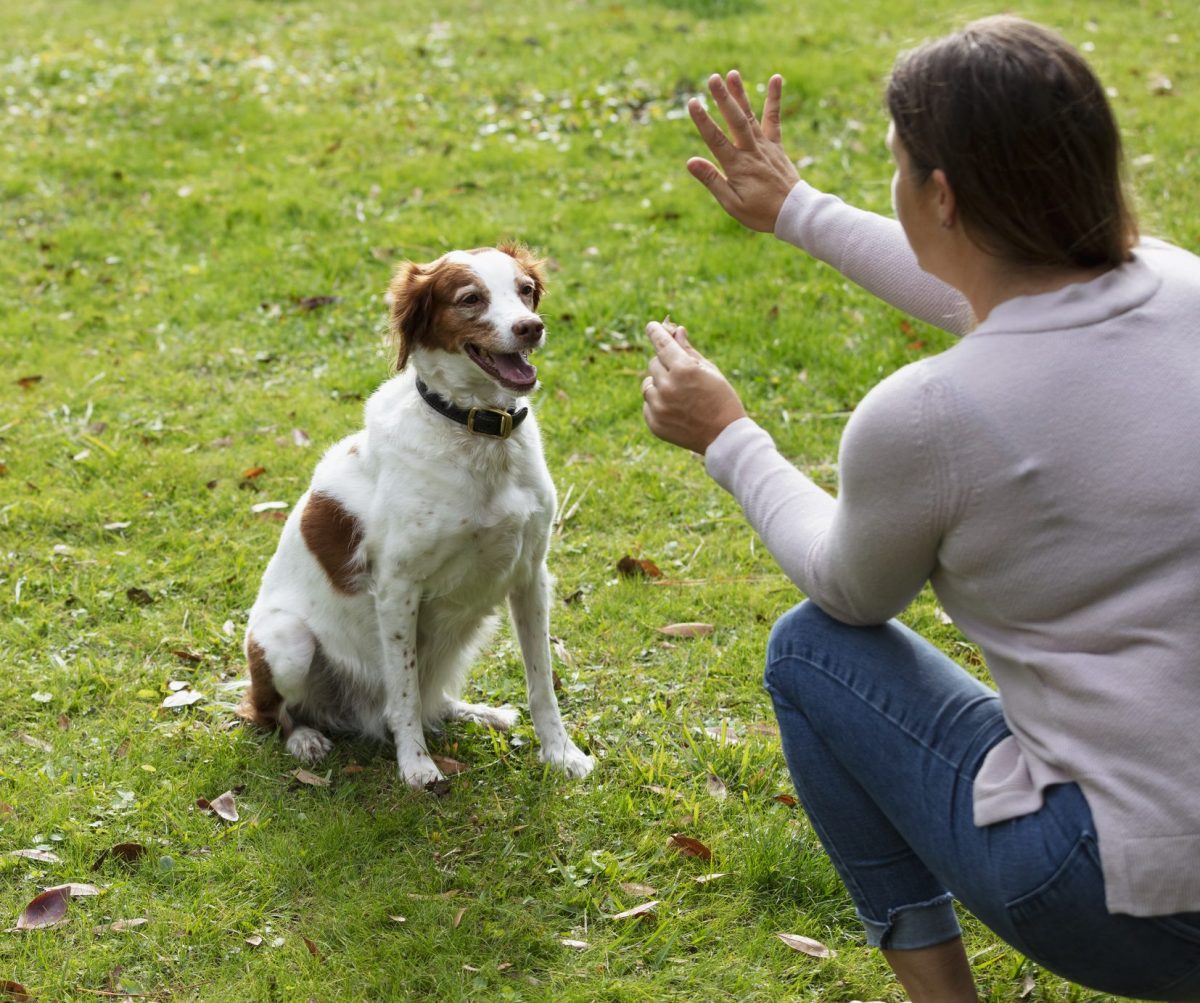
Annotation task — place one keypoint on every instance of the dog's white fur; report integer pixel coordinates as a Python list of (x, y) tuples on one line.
[(390, 569)]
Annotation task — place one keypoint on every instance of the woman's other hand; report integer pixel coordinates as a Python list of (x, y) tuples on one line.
[(686, 399), (758, 172)]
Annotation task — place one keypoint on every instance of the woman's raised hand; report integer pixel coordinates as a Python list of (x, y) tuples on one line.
[(758, 174)]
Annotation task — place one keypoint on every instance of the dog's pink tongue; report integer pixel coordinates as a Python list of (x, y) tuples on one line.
[(515, 368)]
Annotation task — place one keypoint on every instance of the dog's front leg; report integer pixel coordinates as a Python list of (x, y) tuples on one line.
[(529, 603), (397, 603)]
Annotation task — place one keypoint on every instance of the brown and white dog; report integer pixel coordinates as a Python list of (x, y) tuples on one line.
[(391, 567)]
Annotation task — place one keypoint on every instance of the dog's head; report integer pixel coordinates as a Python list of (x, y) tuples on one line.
[(477, 305)]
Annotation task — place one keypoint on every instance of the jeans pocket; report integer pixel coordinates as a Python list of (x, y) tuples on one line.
[(1065, 926)]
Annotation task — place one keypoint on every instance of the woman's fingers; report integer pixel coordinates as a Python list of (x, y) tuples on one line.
[(711, 133), (741, 125), (771, 119)]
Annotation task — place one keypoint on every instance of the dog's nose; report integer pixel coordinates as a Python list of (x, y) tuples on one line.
[(529, 329)]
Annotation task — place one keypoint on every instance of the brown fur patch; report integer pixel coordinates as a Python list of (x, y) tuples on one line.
[(261, 704), (420, 295), (333, 536)]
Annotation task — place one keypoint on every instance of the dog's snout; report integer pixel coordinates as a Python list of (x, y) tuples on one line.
[(529, 329)]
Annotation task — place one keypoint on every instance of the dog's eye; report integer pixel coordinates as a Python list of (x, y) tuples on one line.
[(526, 290), (471, 299)]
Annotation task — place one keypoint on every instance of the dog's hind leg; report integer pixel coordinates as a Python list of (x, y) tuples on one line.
[(280, 650), (500, 718)]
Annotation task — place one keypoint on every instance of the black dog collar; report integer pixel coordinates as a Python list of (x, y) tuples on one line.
[(480, 420)]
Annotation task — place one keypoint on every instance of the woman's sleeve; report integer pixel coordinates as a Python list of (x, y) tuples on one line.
[(872, 251), (863, 556)]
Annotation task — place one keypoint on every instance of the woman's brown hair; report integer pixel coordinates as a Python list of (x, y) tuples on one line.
[(1023, 130)]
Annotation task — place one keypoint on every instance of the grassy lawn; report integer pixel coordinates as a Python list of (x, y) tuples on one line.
[(201, 204)]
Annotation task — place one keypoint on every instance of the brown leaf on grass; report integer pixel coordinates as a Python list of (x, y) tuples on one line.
[(786, 799), (125, 853), (312, 948), (45, 856), (254, 940), (448, 766), (686, 629), (722, 734), (11, 990), (303, 776), (6, 808), (139, 597), (716, 787), (300, 437), (36, 743), (439, 788), (632, 567), (633, 888), (458, 917), (188, 656), (307, 303), (351, 768), (222, 806), (646, 909), (806, 945), (689, 847), (28, 382), (45, 910), (120, 926)]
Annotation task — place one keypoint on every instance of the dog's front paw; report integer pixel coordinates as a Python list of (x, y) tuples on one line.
[(568, 758), (419, 772)]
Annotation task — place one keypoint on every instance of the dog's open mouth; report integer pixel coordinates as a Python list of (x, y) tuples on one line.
[(510, 369)]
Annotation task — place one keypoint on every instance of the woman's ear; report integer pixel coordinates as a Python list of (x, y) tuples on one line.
[(946, 205)]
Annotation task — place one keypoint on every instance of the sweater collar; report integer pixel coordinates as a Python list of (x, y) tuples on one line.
[(1079, 304)]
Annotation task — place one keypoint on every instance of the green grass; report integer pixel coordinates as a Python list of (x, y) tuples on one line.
[(175, 179)]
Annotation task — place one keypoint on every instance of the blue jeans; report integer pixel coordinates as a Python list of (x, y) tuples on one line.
[(883, 736)]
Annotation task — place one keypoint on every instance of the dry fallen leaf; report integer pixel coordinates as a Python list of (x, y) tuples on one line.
[(645, 909), (252, 472), (686, 629), (689, 847), (786, 799), (352, 768), (312, 948), (139, 597), (447, 765), (11, 990), (633, 888), (304, 777), (36, 743), (458, 916), (703, 879), (300, 437), (126, 853), (254, 940), (182, 698), (45, 856), (638, 567), (579, 945), (45, 910), (398, 919), (716, 787), (75, 889), (223, 806), (120, 926), (806, 945)]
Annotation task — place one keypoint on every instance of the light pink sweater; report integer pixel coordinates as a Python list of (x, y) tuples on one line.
[(1044, 475)]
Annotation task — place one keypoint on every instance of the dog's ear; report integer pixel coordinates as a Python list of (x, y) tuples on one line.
[(530, 264), (411, 291)]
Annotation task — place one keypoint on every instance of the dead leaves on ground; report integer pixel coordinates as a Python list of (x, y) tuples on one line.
[(806, 945)]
